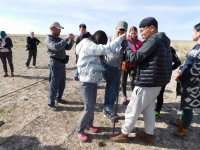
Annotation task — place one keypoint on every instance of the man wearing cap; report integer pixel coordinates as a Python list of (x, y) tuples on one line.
[(112, 73), (56, 50), (153, 71)]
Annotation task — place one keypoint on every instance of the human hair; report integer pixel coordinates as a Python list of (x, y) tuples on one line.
[(197, 27), (133, 28), (99, 37), (82, 25)]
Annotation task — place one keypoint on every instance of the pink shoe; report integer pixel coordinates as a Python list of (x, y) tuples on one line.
[(94, 129), (83, 137)]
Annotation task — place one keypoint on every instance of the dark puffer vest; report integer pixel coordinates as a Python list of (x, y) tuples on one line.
[(154, 61)]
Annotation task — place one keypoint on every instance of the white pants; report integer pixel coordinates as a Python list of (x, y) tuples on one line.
[(142, 101)]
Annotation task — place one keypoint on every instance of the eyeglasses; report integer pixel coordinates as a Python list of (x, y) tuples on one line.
[(144, 29)]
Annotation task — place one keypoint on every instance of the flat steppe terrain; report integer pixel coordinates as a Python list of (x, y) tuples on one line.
[(30, 124)]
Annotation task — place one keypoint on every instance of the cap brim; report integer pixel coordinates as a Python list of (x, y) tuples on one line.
[(60, 27)]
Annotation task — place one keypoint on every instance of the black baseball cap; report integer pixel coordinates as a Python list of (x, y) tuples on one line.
[(148, 21), (82, 25)]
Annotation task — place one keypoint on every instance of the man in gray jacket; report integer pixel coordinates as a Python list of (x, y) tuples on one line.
[(153, 71), (56, 49)]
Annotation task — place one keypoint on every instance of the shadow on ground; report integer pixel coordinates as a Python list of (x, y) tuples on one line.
[(24, 142)]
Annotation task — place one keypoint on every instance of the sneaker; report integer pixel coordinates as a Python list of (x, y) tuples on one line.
[(76, 78), (52, 105), (83, 137), (145, 137), (93, 129), (157, 114), (121, 138), (109, 113)]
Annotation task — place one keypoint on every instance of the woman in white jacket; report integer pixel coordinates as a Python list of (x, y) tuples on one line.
[(90, 70)]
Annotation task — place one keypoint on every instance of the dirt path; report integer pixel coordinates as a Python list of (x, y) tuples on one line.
[(29, 124)]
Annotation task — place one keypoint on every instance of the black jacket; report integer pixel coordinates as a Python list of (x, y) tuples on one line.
[(8, 44), (154, 60), (80, 37), (32, 43), (175, 60)]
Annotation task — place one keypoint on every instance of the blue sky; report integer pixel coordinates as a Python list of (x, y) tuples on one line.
[(175, 17)]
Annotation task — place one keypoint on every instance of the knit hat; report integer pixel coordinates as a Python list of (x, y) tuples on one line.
[(3, 34), (148, 22), (122, 25)]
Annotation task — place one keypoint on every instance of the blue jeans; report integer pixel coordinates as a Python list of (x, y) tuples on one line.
[(112, 77), (57, 77), (89, 95)]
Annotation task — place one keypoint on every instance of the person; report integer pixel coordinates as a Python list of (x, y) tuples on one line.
[(176, 63), (57, 59), (6, 53), (130, 67), (31, 46), (112, 73), (189, 77), (83, 34), (154, 70), (89, 66)]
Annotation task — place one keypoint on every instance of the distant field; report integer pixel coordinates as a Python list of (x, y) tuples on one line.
[(181, 46)]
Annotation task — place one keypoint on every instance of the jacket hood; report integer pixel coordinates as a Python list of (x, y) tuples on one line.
[(161, 36)]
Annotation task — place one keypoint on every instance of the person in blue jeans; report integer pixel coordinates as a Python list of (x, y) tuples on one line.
[(58, 58), (112, 73), (90, 69)]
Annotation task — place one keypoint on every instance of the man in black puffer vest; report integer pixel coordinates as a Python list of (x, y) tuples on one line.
[(154, 70)]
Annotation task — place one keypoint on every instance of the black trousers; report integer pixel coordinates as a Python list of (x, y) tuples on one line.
[(7, 56), (160, 99), (31, 53), (125, 74)]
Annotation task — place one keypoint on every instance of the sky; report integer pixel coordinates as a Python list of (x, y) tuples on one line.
[(175, 17)]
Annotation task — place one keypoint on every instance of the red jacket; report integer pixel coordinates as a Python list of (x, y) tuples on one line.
[(134, 47)]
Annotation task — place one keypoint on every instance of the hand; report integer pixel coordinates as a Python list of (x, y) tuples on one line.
[(123, 36), (70, 37), (177, 76)]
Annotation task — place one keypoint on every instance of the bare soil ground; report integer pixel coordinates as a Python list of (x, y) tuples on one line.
[(29, 124)]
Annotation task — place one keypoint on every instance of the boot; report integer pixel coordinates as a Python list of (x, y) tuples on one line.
[(120, 138), (178, 123), (145, 137), (5, 75), (181, 132)]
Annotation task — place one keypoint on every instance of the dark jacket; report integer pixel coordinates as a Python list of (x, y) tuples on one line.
[(190, 79), (175, 60), (80, 37), (154, 60), (8, 44), (32, 43), (56, 49)]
